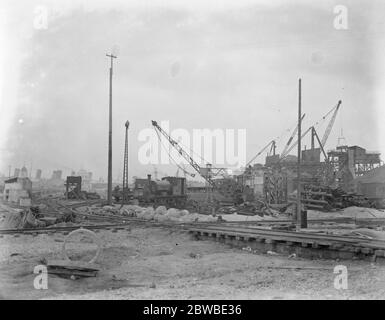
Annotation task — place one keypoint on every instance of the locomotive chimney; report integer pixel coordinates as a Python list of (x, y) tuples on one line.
[(149, 177)]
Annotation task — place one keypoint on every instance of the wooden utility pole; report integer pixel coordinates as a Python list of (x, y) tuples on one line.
[(109, 187), (299, 158), (125, 168)]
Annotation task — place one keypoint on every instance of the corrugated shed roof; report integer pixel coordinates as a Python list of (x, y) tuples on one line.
[(16, 179)]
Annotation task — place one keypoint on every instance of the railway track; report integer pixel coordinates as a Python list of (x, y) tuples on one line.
[(64, 229), (122, 224), (289, 241), (258, 233), (121, 221), (249, 231)]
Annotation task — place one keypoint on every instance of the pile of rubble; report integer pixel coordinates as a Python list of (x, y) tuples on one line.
[(22, 219), (253, 208), (32, 217), (162, 214)]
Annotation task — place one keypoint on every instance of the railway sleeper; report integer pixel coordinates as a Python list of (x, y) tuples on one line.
[(306, 249)]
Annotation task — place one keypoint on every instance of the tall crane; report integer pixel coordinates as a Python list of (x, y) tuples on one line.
[(315, 134), (331, 123), (272, 145), (206, 173), (325, 136)]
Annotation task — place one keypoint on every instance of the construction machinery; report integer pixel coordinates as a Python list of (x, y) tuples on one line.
[(331, 123), (311, 129), (232, 191), (170, 192), (315, 172)]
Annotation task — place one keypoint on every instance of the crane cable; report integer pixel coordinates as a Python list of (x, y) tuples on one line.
[(320, 121), (170, 156)]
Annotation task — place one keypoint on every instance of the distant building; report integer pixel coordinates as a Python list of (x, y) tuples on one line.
[(38, 174), (24, 173), (16, 173), (18, 190), (86, 179), (56, 175)]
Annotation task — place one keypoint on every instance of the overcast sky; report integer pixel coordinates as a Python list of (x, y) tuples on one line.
[(197, 64)]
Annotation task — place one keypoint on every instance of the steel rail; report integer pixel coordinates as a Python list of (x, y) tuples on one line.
[(294, 236)]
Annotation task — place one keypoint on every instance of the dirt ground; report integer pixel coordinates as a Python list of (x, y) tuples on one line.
[(155, 263)]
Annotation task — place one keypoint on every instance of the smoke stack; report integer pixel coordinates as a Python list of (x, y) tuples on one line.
[(149, 177)]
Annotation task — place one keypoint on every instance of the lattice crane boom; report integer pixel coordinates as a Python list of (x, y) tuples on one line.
[(291, 138), (183, 153), (330, 125)]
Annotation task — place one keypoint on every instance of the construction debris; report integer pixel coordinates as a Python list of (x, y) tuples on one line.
[(75, 269), (23, 219), (326, 198), (72, 269)]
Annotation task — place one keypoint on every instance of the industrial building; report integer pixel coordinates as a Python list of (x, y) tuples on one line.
[(372, 185), (350, 162)]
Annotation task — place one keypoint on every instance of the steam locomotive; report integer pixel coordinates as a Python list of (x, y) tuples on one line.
[(169, 192)]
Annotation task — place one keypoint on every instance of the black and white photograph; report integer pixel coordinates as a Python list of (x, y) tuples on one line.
[(208, 152)]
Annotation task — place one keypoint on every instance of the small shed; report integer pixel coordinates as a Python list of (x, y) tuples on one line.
[(18, 190)]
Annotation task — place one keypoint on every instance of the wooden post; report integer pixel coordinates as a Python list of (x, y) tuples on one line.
[(109, 187), (299, 159)]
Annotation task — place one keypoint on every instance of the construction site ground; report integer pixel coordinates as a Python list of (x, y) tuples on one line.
[(164, 263)]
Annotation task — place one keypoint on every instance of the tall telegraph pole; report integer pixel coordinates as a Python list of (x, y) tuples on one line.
[(109, 190), (125, 167), (299, 158)]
